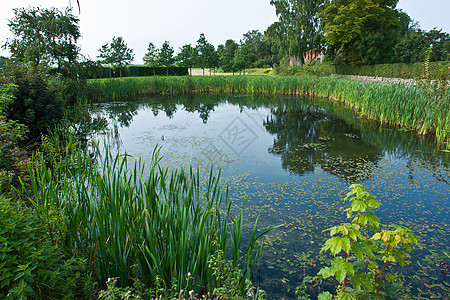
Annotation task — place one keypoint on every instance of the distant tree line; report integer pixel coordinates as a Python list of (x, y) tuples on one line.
[(253, 51), (356, 32)]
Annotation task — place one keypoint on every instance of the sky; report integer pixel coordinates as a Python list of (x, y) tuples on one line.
[(181, 22)]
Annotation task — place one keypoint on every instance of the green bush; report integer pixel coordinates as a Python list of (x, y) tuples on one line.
[(31, 265), (35, 104), (13, 160)]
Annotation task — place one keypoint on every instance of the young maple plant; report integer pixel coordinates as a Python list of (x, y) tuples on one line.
[(362, 251)]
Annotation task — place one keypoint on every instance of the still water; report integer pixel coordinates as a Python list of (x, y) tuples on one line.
[(295, 157)]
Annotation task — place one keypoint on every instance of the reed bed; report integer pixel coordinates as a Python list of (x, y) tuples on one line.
[(421, 110), (154, 226)]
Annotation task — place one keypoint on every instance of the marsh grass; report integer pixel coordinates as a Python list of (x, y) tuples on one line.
[(421, 110), (142, 226)]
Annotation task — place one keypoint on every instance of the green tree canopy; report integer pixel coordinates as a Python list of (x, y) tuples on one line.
[(364, 31), (187, 56), (151, 56), (243, 58), (41, 33), (165, 55), (116, 53), (299, 27), (227, 56), (413, 45), (207, 55)]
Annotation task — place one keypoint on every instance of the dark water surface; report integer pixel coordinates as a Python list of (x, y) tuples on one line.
[(295, 157)]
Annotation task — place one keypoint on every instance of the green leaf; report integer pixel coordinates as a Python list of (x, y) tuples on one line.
[(325, 296), (337, 244)]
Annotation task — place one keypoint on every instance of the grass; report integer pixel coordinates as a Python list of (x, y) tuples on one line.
[(416, 109), (152, 226)]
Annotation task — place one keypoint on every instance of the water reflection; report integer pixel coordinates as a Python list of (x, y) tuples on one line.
[(307, 133), (307, 137)]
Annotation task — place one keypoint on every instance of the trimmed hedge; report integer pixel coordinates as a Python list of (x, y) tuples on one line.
[(141, 71), (93, 71), (400, 70)]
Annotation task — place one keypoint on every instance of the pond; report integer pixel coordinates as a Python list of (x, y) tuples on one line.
[(294, 158)]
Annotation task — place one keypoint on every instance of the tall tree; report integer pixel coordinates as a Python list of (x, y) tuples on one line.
[(243, 58), (207, 55), (44, 33), (364, 31), (227, 56), (116, 53), (260, 47), (299, 28), (151, 56), (187, 56), (165, 56)]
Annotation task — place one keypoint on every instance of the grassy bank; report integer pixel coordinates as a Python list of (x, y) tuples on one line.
[(417, 109)]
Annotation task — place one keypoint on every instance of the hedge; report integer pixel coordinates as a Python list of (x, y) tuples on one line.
[(399, 70), (93, 71), (139, 71)]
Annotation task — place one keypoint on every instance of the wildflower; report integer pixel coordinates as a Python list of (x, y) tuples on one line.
[(115, 280), (107, 294)]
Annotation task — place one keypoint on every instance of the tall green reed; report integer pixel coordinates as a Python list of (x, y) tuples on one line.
[(136, 224)]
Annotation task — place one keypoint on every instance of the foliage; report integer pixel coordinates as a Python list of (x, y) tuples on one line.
[(2, 61), (116, 53), (361, 30), (187, 56), (362, 270), (31, 264), (41, 33), (165, 55), (261, 49), (413, 45), (228, 280), (227, 56), (207, 55), (142, 71), (12, 158), (36, 104), (151, 56), (398, 70), (165, 223), (299, 27), (242, 58)]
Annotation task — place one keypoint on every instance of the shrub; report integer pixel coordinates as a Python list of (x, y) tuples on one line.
[(31, 265), (35, 104), (12, 159)]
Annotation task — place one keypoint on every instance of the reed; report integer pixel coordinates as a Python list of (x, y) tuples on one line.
[(143, 225), (417, 109)]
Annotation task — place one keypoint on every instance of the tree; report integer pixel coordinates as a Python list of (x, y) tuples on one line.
[(116, 53), (165, 56), (299, 28), (44, 34), (187, 57), (242, 58), (260, 47), (2, 61), (413, 45), (227, 56), (207, 55), (151, 57), (364, 31)]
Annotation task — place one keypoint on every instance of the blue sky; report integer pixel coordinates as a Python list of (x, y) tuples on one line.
[(179, 21)]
